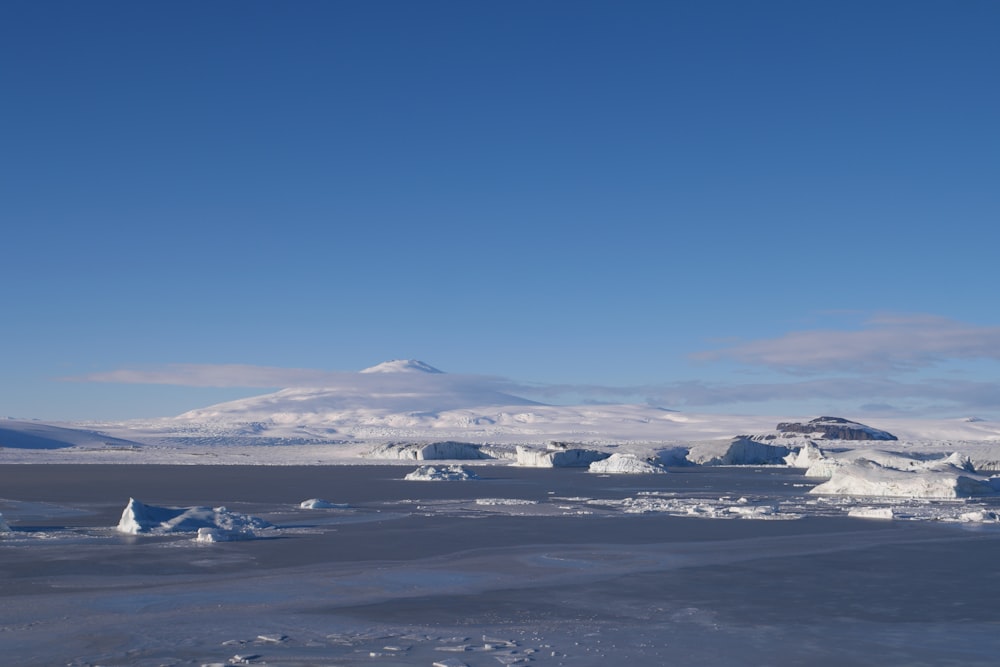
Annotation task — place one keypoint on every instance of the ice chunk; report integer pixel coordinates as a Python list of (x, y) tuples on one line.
[(979, 516), (449, 662), (320, 504), (441, 474), (871, 512), (627, 464), (219, 524)]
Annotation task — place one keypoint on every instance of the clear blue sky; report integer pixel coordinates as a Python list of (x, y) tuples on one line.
[(722, 206)]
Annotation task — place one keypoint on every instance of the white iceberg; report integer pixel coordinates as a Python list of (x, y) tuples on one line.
[(626, 464), (4, 526), (979, 516), (441, 474), (432, 451), (320, 504), (823, 464), (806, 456), (940, 481), (212, 524), (739, 451), (557, 456)]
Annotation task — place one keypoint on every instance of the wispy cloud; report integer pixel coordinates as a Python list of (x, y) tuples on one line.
[(941, 394), (481, 387), (885, 343), (216, 375), (945, 394)]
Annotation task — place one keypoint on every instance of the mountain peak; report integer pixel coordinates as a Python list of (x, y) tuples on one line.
[(402, 366)]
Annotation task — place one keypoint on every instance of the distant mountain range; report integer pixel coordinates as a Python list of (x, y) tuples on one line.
[(412, 401), (398, 386)]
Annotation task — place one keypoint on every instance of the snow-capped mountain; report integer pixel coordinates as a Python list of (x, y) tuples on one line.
[(411, 401), (402, 366), (401, 386)]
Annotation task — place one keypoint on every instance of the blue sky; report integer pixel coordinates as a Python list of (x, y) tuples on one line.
[(768, 207)]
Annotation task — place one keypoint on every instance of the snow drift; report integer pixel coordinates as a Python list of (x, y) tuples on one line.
[(37, 435), (212, 524)]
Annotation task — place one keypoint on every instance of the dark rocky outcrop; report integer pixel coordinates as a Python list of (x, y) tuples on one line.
[(835, 428)]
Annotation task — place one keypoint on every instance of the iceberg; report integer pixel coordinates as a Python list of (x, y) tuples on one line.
[(441, 474), (212, 524), (739, 451), (626, 464), (320, 504), (433, 451), (557, 456), (823, 464), (940, 481)]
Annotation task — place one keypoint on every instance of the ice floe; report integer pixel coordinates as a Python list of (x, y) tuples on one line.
[(504, 501), (722, 508), (627, 464), (454, 473), (211, 524), (872, 513)]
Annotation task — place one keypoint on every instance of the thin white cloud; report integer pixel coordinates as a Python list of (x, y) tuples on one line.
[(476, 387), (215, 375), (942, 394), (886, 343)]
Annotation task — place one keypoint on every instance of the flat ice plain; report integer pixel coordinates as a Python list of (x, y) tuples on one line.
[(523, 566)]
